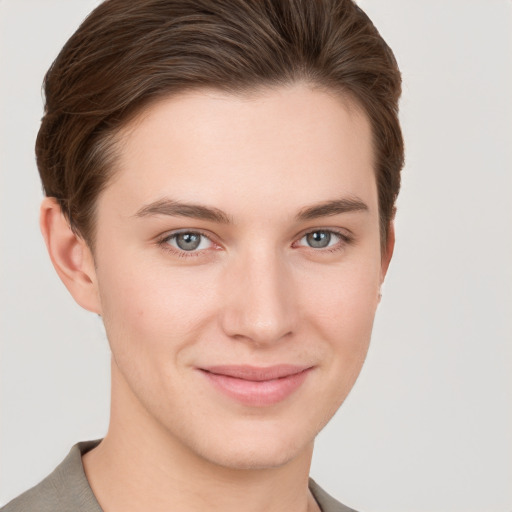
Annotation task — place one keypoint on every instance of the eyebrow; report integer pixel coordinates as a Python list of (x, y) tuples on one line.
[(333, 207), (178, 209), (197, 211)]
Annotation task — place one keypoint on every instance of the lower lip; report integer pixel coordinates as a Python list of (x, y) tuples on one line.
[(257, 393)]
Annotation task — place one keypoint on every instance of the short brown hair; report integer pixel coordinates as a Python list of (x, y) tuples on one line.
[(126, 55)]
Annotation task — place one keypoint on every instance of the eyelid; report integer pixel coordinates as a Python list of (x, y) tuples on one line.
[(163, 240), (343, 233), (344, 236)]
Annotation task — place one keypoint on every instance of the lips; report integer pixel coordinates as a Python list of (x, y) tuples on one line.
[(257, 386)]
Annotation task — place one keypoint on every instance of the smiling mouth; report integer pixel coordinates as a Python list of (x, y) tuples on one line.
[(257, 386)]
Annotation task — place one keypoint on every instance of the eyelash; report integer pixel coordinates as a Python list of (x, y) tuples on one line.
[(164, 243), (345, 239)]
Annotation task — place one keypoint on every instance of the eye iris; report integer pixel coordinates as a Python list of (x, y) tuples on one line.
[(188, 241), (318, 239)]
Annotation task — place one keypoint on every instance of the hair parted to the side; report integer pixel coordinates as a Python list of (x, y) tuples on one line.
[(126, 55)]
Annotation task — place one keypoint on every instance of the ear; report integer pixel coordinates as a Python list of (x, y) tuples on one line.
[(387, 252), (70, 255)]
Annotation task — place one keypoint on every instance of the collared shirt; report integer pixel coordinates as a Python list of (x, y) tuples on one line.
[(67, 490)]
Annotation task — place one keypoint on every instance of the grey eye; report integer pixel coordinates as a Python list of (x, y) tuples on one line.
[(191, 242), (187, 241), (320, 239)]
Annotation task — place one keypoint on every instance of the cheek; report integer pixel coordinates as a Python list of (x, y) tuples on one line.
[(151, 312), (153, 317), (338, 310), (341, 305), (345, 295)]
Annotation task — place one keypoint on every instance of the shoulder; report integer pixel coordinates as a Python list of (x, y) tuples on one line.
[(326, 502), (65, 490), (43, 497)]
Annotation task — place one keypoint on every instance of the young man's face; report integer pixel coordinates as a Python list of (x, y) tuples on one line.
[(238, 269)]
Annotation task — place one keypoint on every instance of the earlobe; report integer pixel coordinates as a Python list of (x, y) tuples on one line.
[(70, 256)]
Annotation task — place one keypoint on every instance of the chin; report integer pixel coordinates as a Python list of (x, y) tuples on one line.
[(255, 446), (256, 457)]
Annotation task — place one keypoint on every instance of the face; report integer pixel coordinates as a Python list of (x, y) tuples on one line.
[(238, 269)]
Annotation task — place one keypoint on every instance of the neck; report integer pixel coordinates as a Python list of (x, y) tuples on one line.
[(141, 466)]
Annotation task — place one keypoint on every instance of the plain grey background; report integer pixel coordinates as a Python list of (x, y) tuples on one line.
[(428, 426)]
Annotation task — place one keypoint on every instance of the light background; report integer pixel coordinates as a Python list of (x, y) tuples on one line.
[(428, 426)]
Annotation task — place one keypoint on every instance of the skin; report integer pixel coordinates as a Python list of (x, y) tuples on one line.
[(254, 292)]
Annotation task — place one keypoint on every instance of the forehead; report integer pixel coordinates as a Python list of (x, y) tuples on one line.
[(286, 143)]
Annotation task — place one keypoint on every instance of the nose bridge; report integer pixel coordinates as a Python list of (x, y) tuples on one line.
[(259, 304)]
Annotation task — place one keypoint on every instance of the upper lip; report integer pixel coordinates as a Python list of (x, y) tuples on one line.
[(256, 373)]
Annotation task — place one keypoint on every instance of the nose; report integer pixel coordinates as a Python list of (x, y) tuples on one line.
[(259, 300)]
